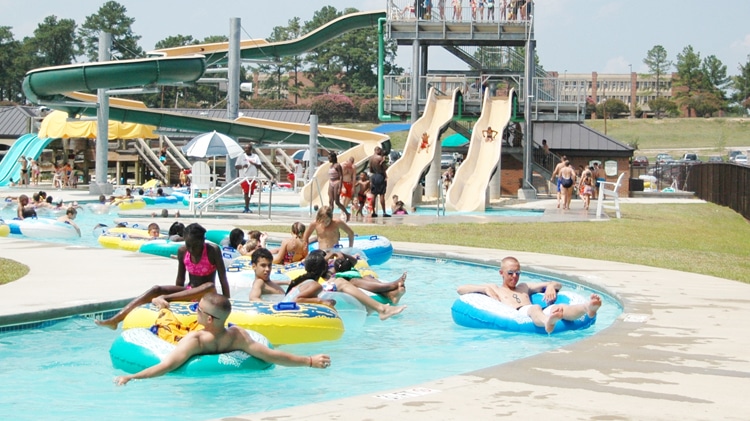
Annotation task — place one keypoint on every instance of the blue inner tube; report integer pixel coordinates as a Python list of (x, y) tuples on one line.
[(481, 311), (138, 348), (377, 248)]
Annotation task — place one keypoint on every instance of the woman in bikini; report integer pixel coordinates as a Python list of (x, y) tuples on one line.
[(335, 176), (292, 249), (200, 260)]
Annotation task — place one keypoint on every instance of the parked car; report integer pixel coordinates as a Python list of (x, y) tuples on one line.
[(447, 160), (740, 159), (663, 158), (690, 158), (715, 158), (640, 161), (733, 154)]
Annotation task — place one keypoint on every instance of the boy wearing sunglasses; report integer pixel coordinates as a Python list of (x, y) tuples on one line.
[(215, 338)]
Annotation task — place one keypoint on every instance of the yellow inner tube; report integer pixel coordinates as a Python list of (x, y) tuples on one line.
[(303, 324)]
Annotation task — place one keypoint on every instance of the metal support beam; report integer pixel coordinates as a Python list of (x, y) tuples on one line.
[(100, 186)]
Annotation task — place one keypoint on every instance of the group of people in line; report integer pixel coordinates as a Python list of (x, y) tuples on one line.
[(362, 192), (585, 181), (480, 10)]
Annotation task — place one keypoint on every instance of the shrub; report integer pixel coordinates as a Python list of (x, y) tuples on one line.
[(368, 110), (332, 107)]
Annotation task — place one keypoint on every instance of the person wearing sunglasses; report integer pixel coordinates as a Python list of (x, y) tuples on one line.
[(517, 295), (212, 312)]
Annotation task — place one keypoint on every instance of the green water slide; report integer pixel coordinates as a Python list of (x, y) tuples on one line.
[(53, 85)]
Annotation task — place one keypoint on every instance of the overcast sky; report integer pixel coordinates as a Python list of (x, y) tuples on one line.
[(577, 36)]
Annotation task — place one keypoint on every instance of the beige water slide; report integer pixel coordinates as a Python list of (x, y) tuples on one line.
[(467, 193), (404, 175), (316, 190)]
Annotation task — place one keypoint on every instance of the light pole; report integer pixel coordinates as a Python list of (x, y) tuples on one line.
[(632, 97), (604, 105)]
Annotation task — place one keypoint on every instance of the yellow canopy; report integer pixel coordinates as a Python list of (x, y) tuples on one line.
[(56, 125)]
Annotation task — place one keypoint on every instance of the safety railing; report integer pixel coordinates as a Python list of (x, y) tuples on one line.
[(463, 11), (228, 187), (175, 154), (152, 161)]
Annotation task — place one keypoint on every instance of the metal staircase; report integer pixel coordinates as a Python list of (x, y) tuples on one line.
[(175, 154), (151, 160)]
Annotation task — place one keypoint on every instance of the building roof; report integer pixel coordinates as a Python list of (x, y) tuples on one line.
[(576, 137), (290, 116), (16, 120)]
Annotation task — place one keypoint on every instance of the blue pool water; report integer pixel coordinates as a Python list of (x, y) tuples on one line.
[(63, 371)]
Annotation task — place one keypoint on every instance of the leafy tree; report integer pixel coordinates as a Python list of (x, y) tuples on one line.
[(716, 72), (348, 62), (9, 78), (660, 105), (704, 103), (111, 18), (690, 77), (53, 43), (658, 64), (741, 85), (175, 41), (614, 107), (278, 82), (322, 63)]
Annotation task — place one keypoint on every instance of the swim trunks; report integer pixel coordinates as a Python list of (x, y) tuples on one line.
[(169, 328), (203, 267), (378, 184), (249, 187), (347, 190), (524, 311)]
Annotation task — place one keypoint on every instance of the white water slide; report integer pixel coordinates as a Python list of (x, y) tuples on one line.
[(467, 193), (404, 174)]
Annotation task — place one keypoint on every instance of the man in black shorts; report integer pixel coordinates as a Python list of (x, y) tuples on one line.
[(378, 180)]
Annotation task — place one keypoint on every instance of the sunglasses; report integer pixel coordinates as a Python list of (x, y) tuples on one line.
[(197, 308), (513, 272)]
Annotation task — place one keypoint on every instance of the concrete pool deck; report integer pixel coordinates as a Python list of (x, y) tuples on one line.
[(679, 351)]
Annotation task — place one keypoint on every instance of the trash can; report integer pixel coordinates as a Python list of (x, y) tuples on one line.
[(636, 184)]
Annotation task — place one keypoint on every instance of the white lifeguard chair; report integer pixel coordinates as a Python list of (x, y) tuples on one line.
[(202, 182), (608, 190)]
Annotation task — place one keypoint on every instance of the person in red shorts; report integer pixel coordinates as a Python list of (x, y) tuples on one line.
[(247, 167)]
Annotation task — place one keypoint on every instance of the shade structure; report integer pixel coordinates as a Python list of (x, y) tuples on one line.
[(212, 144), (57, 125), (455, 141)]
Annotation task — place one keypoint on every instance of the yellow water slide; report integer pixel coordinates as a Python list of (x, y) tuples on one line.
[(467, 192), (404, 174)]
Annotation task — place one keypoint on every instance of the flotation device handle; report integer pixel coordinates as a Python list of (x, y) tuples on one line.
[(285, 306)]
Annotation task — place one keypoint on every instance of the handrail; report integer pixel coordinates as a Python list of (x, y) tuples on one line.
[(150, 158), (441, 197), (175, 154), (320, 193), (286, 161), (267, 167), (213, 197)]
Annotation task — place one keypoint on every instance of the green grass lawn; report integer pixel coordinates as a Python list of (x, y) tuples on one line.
[(680, 134), (700, 238)]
